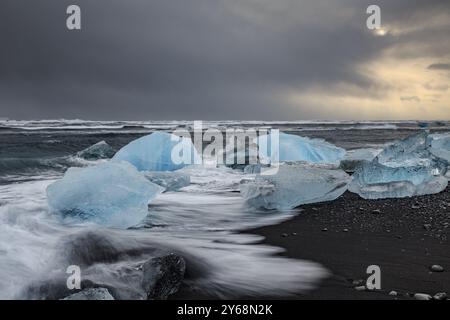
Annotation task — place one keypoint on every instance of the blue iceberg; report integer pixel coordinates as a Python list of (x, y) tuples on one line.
[(404, 169), (113, 194), (159, 151), (295, 184), (296, 148)]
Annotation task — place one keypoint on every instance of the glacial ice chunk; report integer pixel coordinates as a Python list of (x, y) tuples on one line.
[(170, 181), (439, 146), (154, 152), (410, 151), (100, 150), (354, 158), (295, 184), (403, 169), (296, 148), (252, 169), (238, 155), (112, 193)]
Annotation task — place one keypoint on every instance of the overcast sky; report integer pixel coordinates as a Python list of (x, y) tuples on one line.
[(225, 59)]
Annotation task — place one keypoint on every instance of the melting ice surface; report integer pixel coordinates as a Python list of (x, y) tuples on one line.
[(100, 150), (296, 148), (154, 152), (295, 184), (439, 145), (404, 169), (170, 181), (355, 158), (112, 193), (199, 222)]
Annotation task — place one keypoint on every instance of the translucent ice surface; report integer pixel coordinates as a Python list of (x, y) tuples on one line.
[(170, 181), (158, 151), (113, 194), (296, 148), (403, 169), (439, 146), (354, 158), (295, 184), (100, 150)]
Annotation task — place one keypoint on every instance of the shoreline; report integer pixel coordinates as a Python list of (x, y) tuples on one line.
[(404, 237)]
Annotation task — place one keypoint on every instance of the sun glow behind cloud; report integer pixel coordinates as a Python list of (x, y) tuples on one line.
[(381, 32), (404, 89), (410, 78)]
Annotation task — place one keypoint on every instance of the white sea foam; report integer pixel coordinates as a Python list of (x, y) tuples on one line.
[(135, 126), (199, 222)]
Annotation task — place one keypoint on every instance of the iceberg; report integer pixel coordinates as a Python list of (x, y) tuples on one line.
[(100, 150), (354, 158), (113, 194), (404, 169), (170, 181), (154, 152), (296, 148), (295, 184)]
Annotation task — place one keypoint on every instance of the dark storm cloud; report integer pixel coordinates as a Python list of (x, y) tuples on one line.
[(439, 66), (183, 59)]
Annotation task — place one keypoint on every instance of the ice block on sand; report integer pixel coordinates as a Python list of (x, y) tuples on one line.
[(295, 184), (404, 169)]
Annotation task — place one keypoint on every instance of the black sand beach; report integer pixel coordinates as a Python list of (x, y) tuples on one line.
[(405, 237)]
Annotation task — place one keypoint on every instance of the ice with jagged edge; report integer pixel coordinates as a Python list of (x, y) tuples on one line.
[(100, 150), (295, 184), (113, 194), (211, 179), (439, 145), (170, 181), (238, 156), (154, 152), (404, 169), (355, 158), (252, 169), (296, 148)]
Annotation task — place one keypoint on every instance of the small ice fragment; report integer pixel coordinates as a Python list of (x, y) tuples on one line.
[(170, 181), (296, 148), (100, 150)]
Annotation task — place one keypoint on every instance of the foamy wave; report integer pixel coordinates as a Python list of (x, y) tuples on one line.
[(200, 223)]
